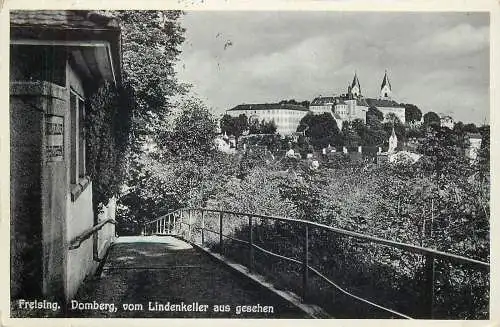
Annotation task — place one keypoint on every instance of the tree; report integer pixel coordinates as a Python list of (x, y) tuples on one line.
[(373, 116), (431, 119), (484, 152), (262, 127), (351, 137), (304, 103), (321, 129), (150, 49), (412, 113), (470, 128), (268, 127), (234, 125), (193, 134)]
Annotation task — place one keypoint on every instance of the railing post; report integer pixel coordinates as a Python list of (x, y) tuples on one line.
[(177, 219), (202, 227), (157, 227), (305, 264), (428, 290), (169, 226), (221, 242), (180, 219), (190, 215), (251, 253)]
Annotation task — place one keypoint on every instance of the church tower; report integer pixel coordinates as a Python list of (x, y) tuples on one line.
[(355, 88), (385, 88)]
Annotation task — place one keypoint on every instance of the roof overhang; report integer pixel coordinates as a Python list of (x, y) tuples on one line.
[(95, 50), (93, 59)]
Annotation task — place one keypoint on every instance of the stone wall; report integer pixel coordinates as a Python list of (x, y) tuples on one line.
[(38, 182)]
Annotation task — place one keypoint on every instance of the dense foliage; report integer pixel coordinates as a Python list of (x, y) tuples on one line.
[(234, 125), (412, 113), (321, 129), (107, 134), (431, 118)]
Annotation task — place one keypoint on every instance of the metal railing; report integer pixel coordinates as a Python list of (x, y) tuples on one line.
[(77, 241), (170, 224)]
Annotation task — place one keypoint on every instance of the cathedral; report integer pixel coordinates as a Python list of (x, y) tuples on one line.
[(353, 105)]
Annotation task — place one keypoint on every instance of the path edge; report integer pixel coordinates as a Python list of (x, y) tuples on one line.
[(313, 311)]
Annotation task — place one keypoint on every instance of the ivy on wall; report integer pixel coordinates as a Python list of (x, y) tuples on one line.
[(108, 124)]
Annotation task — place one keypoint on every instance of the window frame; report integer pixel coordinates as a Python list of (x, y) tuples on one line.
[(78, 180)]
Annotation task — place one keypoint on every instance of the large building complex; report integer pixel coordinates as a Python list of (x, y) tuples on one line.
[(345, 107), (285, 116), (353, 105)]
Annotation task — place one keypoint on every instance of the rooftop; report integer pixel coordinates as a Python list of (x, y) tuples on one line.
[(95, 35), (269, 106), (63, 19), (382, 103), (321, 101)]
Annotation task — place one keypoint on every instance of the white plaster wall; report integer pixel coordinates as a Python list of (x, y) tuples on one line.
[(107, 234), (286, 121), (80, 261)]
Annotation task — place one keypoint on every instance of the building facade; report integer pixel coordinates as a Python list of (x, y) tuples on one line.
[(286, 116), (447, 121), (57, 59), (353, 105)]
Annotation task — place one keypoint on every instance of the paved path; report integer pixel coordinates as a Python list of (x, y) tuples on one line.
[(165, 270)]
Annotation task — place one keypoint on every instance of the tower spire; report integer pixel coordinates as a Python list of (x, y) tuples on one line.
[(385, 88), (386, 81), (355, 85)]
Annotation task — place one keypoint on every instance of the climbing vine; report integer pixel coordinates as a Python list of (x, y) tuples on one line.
[(108, 123)]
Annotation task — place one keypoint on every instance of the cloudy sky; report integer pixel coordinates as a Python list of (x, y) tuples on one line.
[(438, 61)]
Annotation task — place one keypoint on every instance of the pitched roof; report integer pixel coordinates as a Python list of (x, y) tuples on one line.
[(321, 101), (268, 106), (83, 19), (382, 103), (362, 102)]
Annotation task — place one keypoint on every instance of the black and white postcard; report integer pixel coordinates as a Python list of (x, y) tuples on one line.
[(298, 161)]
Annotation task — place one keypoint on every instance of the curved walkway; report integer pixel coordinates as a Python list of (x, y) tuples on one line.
[(164, 277)]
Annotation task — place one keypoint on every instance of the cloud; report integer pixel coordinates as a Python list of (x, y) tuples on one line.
[(439, 61), (459, 40)]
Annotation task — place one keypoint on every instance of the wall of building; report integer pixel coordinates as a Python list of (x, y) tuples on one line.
[(80, 261), (44, 216), (25, 197), (81, 216), (315, 109), (37, 184), (286, 121)]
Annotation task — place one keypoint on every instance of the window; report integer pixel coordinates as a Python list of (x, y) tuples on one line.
[(81, 138), (77, 160)]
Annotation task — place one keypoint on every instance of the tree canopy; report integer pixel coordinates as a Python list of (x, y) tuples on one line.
[(151, 42), (412, 113), (431, 119), (234, 125), (321, 129), (193, 133)]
